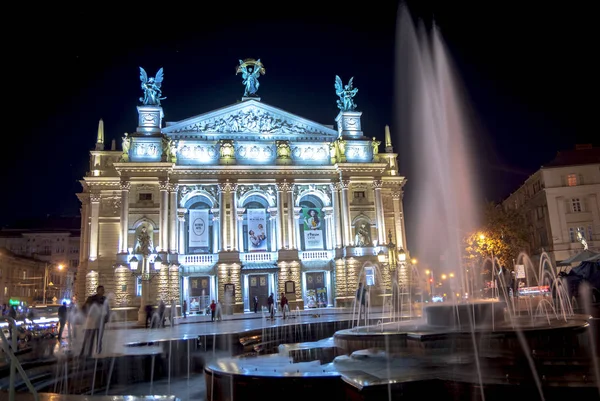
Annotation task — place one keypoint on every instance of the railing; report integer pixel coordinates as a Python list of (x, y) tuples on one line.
[(200, 260), (15, 365), (316, 255), (259, 257)]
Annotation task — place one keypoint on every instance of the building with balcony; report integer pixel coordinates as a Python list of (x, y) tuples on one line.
[(238, 203), (559, 200)]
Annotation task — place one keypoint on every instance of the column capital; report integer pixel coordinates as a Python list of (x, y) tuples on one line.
[(172, 187), (226, 186), (284, 186), (377, 184), (344, 184), (95, 196), (125, 185), (163, 185), (397, 195), (335, 186)]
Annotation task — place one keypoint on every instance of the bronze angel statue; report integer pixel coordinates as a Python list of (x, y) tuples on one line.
[(346, 94), (151, 87), (250, 75)]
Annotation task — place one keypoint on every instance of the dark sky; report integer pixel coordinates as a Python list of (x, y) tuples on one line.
[(526, 69)]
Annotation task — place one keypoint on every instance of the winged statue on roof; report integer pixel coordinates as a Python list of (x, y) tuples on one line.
[(346, 94), (251, 70), (151, 87)]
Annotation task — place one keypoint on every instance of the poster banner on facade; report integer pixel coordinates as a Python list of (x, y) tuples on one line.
[(198, 228), (313, 233), (257, 234)]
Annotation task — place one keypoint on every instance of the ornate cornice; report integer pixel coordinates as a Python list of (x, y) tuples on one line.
[(344, 184), (377, 184)]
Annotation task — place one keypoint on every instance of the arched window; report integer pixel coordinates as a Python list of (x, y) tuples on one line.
[(313, 230), (199, 223), (257, 225)]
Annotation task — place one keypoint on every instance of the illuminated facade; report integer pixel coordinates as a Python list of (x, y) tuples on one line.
[(238, 203)]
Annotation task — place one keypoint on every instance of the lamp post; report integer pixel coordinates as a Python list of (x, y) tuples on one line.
[(46, 272)]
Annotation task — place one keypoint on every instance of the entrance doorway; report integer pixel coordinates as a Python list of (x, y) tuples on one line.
[(199, 294), (258, 285), (316, 290)]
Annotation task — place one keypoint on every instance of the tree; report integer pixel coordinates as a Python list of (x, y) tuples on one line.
[(503, 234)]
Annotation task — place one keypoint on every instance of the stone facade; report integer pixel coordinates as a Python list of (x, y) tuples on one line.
[(239, 202)]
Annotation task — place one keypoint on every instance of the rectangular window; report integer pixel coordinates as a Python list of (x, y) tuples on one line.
[(575, 205), (145, 197), (359, 194), (572, 180)]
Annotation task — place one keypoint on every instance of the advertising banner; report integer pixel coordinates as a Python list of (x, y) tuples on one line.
[(257, 230), (313, 233), (198, 228)]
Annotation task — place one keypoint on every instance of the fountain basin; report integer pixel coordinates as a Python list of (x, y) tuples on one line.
[(472, 314), (555, 337)]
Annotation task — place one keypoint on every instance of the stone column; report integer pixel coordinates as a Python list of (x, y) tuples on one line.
[(337, 220), (125, 186), (181, 237), (273, 230), (290, 217), (173, 218), (297, 222), (346, 222), (329, 238), (381, 240), (233, 240), (215, 220), (396, 199), (223, 188), (280, 237), (240, 229), (94, 225), (163, 215)]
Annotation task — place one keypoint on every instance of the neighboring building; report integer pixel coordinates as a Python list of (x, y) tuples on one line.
[(243, 201), (20, 279), (50, 244), (559, 199)]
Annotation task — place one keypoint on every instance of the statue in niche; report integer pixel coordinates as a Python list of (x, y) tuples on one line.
[(251, 70), (363, 235), (346, 94), (340, 150), (144, 242), (151, 87), (125, 145), (375, 144)]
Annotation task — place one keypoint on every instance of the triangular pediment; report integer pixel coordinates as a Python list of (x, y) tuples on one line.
[(249, 117)]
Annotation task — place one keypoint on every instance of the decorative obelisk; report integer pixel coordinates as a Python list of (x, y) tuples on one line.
[(388, 140), (100, 137)]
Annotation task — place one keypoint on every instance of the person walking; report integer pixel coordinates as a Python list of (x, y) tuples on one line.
[(271, 305), (184, 308), (361, 300), (62, 319), (284, 304), (255, 304), (213, 307), (94, 323)]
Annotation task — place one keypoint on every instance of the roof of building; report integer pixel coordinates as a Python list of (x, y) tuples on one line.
[(48, 224), (578, 156)]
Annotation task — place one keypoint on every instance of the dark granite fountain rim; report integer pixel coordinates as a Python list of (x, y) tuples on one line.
[(580, 323), (212, 369)]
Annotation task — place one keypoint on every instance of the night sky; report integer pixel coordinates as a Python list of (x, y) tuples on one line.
[(526, 69)]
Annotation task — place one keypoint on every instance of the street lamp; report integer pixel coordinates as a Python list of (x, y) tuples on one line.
[(46, 271)]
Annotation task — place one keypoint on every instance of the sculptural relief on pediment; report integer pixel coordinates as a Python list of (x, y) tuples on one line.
[(250, 120)]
